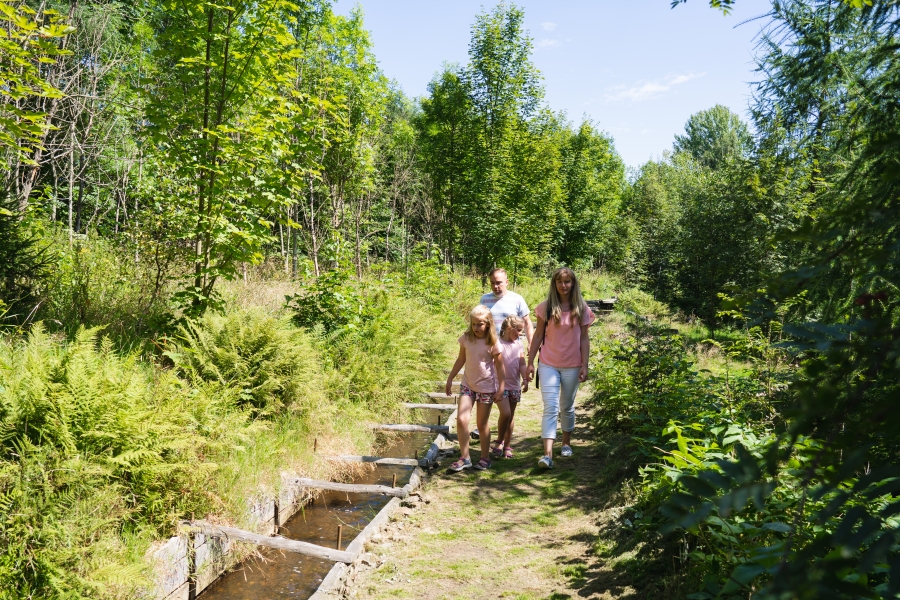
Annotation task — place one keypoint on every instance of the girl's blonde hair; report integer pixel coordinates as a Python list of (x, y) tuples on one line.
[(511, 321), (482, 312), (554, 310)]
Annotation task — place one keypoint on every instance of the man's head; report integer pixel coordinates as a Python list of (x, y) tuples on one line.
[(498, 280)]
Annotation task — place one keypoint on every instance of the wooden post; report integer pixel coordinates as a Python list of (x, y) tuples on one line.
[(340, 535), (394, 481), (315, 444), (417, 455)]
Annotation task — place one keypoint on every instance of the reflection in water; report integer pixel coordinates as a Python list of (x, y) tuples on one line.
[(289, 575)]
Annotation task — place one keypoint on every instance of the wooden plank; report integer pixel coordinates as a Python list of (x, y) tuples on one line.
[(182, 593), (414, 428), (430, 406), (378, 460), (277, 542), (170, 562), (439, 396), (602, 305), (415, 480), (359, 544), (332, 582), (350, 488), (330, 587)]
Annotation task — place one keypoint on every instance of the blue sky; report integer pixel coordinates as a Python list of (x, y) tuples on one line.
[(637, 68)]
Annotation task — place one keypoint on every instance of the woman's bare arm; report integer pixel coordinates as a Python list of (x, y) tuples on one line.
[(585, 352), (537, 340)]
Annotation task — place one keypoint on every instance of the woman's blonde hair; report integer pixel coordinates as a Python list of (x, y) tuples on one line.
[(554, 310), (482, 312), (511, 321)]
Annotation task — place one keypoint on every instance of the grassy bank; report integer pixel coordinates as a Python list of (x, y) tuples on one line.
[(106, 445)]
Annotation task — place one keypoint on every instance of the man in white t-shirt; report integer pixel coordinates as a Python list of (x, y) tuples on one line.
[(503, 302)]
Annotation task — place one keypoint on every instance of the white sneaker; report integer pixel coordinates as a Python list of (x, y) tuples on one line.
[(566, 451), (545, 462)]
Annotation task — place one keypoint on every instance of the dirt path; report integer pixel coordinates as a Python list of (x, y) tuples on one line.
[(512, 532)]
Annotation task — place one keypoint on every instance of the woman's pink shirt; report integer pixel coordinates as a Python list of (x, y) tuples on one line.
[(562, 341), (479, 375), (512, 357)]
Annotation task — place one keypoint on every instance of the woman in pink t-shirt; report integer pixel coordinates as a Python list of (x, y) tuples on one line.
[(482, 384), (562, 337)]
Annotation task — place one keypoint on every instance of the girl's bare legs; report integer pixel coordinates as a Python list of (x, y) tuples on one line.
[(462, 424), (504, 421), (484, 429), (507, 439)]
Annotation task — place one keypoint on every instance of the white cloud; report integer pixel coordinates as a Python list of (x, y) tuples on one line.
[(685, 78), (548, 26), (646, 90), (547, 43)]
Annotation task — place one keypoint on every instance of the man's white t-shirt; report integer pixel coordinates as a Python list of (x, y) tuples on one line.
[(510, 303)]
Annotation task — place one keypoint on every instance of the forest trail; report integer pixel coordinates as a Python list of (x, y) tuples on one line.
[(511, 532)]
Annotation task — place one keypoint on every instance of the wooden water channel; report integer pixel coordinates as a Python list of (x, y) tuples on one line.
[(305, 548)]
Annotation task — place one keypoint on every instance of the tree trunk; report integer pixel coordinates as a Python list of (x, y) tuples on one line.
[(80, 192), (71, 178)]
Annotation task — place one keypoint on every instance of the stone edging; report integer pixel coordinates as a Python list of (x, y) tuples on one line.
[(332, 584)]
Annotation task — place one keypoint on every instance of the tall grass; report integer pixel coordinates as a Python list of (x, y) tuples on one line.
[(98, 283)]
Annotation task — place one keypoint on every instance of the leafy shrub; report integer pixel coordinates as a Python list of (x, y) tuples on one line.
[(398, 345), (640, 302), (271, 365), (332, 302), (426, 277), (687, 425), (721, 465)]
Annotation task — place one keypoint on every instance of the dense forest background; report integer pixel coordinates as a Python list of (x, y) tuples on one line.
[(153, 152), (193, 142)]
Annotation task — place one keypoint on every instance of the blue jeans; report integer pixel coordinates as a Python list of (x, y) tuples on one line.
[(558, 388)]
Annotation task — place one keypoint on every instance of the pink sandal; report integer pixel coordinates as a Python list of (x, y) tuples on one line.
[(483, 465), (507, 452), (462, 463)]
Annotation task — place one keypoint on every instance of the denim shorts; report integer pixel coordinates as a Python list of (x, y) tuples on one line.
[(513, 395), (483, 397)]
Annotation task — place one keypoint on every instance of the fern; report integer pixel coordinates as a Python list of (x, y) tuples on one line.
[(273, 366), (93, 444)]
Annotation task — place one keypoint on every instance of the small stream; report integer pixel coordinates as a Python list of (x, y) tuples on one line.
[(289, 575)]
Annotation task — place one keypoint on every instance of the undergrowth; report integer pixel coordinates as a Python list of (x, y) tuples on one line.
[(104, 450), (676, 418), (700, 440)]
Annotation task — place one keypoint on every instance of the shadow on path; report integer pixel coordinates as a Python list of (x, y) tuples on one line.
[(616, 562)]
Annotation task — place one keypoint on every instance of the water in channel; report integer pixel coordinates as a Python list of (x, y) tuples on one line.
[(290, 575)]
